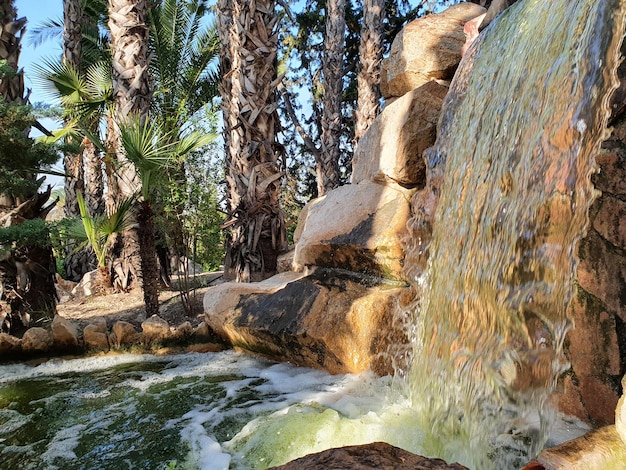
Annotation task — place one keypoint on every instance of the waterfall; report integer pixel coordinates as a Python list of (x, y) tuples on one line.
[(507, 199)]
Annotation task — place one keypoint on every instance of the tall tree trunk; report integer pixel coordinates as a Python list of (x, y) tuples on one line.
[(256, 226), (132, 94), (26, 276), (328, 163), (371, 55)]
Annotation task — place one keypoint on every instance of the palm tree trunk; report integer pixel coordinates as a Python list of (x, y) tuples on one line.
[(149, 264), (328, 164), (132, 93), (371, 55), (256, 224), (11, 89)]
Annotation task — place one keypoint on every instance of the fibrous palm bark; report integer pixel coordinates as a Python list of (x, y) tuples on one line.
[(371, 54), (256, 227), (328, 176), (132, 92)]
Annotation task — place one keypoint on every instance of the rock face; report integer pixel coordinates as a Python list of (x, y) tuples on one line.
[(329, 319), (391, 149), (365, 235), (36, 341), (596, 345), (375, 456), (428, 48)]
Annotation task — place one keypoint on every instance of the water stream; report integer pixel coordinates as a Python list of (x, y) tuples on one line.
[(510, 177)]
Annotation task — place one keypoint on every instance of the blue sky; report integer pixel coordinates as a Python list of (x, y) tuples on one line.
[(37, 11)]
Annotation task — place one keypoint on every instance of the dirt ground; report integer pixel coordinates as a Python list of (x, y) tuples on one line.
[(130, 306)]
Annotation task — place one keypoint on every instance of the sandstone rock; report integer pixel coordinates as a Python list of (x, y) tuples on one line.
[(36, 340), (183, 331), (366, 233), (601, 449), (125, 334), (9, 345), (378, 455), (612, 162), (392, 147), (602, 273), (95, 338), (285, 261), (610, 220), (87, 285), (202, 332), (155, 329), (99, 324), (333, 320), (64, 288), (620, 414), (428, 48), (64, 334)]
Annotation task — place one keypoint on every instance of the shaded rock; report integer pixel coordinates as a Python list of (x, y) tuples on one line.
[(155, 329), (428, 48), (95, 338), (183, 332), (64, 333), (202, 332), (285, 261), (36, 340), (366, 233), (330, 319), (392, 147), (9, 345), (377, 455), (64, 288), (99, 324), (125, 334)]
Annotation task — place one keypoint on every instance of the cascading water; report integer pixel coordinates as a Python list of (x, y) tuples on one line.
[(511, 169)]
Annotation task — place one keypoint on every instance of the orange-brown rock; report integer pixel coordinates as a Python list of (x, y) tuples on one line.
[(335, 320), (36, 341), (64, 334), (155, 329), (9, 345), (357, 227), (428, 48), (374, 456), (124, 333)]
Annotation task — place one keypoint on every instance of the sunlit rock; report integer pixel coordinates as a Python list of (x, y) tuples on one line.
[(428, 48), (392, 147), (125, 334), (64, 334), (330, 319), (620, 414), (87, 285), (36, 340), (155, 329), (377, 455), (358, 227), (95, 338)]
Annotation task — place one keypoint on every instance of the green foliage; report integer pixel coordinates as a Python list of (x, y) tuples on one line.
[(29, 233), (21, 158), (96, 231)]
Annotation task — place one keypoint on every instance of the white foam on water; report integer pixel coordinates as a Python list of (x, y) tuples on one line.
[(205, 452), (62, 446)]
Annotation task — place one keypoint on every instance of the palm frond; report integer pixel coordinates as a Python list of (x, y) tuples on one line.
[(45, 31)]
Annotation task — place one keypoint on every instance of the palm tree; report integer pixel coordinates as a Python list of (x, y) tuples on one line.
[(132, 92), (184, 71), (151, 151), (328, 164), (256, 222), (371, 55), (97, 231)]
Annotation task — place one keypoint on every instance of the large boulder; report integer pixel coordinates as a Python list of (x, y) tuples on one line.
[(392, 147), (333, 320), (428, 48), (357, 227), (374, 456)]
